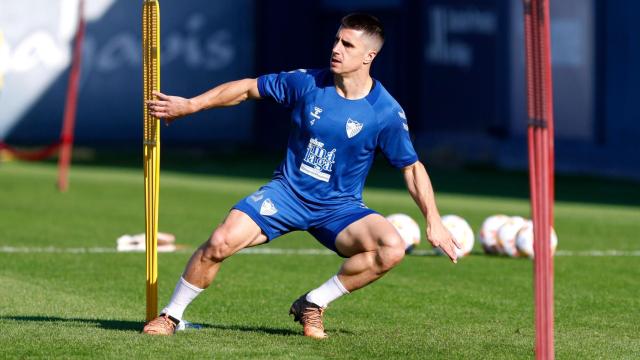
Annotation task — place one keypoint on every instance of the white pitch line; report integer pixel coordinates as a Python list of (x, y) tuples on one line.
[(279, 251), (54, 250), (93, 250), (596, 253)]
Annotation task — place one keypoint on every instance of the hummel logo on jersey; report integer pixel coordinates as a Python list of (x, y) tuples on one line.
[(402, 115), (257, 196), (353, 128), (267, 208), (315, 113)]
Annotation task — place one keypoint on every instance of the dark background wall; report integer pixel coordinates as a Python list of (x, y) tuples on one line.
[(457, 67), (203, 43)]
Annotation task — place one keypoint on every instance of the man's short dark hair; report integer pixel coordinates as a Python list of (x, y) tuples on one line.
[(369, 24)]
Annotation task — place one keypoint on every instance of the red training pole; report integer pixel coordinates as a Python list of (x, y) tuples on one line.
[(71, 104), (541, 162)]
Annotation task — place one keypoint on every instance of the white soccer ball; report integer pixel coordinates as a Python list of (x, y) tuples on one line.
[(408, 228), (461, 231), (507, 235), (524, 240), (488, 235)]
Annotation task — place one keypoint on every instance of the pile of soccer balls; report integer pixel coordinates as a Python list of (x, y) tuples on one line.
[(511, 236), (499, 234)]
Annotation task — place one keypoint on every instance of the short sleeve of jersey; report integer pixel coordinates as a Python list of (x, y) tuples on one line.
[(394, 140), (286, 87)]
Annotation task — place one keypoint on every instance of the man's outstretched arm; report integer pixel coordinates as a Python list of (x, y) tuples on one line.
[(419, 186), (231, 93)]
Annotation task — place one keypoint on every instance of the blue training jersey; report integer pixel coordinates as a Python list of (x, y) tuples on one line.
[(333, 140)]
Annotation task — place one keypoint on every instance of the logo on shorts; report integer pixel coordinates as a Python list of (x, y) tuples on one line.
[(267, 208), (353, 128)]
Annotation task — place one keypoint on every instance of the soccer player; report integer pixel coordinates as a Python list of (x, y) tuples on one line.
[(340, 116)]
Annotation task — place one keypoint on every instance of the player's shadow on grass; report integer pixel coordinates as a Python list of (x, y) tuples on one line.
[(136, 326), (101, 323), (269, 330), (246, 328)]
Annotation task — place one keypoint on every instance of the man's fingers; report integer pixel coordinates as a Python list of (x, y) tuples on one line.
[(163, 106), (158, 102), (160, 95), (157, 107), (447, 247), (458, 245), (451, 253), (159, 114)]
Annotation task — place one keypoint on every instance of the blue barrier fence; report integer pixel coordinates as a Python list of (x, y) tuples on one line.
[(456, 67)]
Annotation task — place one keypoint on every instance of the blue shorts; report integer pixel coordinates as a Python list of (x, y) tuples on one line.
[(277, 211)]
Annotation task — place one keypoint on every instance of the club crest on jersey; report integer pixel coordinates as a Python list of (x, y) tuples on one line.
[(267, 208), (353, 128), (318, 162)]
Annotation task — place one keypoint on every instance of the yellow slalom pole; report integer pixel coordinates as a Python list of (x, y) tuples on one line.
[(151, 144)]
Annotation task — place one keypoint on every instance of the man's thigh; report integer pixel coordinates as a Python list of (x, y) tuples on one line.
[(327, 223), (241, 231), (366, 234)]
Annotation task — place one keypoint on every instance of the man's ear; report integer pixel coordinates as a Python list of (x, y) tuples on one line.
[(368, 59)]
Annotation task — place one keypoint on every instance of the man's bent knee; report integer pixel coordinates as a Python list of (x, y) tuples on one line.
[(218, 247), (390, 255), (237, 232)]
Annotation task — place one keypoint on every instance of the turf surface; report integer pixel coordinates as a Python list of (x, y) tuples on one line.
[(58, 299)]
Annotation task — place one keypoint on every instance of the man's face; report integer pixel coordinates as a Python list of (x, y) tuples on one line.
[(352, 49)]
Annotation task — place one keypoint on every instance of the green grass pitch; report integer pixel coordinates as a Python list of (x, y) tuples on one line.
[(61, 297)]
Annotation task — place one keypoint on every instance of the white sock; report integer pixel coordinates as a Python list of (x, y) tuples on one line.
[(327, 292), (183, 295)]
